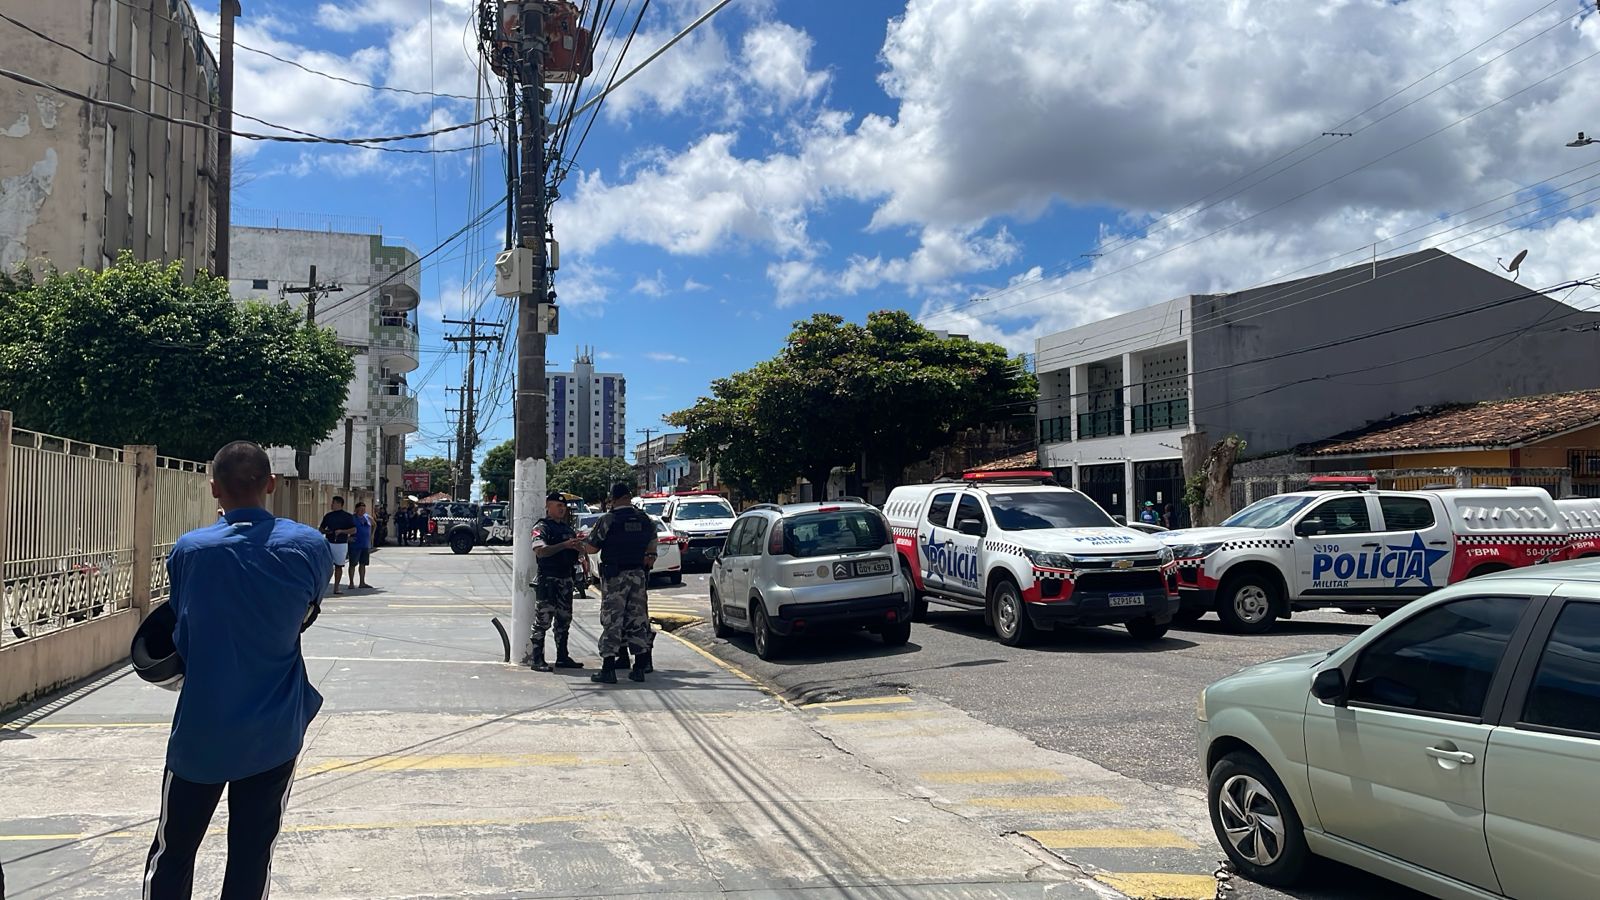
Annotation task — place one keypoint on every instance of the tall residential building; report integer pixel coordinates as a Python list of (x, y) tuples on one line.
[(375, 317), (588, 411), (80, 182)]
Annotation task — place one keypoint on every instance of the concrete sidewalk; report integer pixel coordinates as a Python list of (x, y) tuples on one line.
[(437, 770)]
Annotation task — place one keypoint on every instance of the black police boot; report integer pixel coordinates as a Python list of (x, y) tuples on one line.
[(563, 660), (539, 665), (607, 673), (649, 659), (637, 672), (623, 662)]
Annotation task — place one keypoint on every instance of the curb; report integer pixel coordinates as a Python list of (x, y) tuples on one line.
[(674, 621)]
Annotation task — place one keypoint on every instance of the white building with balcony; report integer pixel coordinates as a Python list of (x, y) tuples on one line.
[(375, 314), (1289, 364), (588, 414)]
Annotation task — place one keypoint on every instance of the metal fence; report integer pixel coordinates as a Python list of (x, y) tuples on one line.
[(183, 502), (69, 534)]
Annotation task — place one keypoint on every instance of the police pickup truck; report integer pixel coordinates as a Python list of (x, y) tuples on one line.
[(1345, 544), (1031, 555)]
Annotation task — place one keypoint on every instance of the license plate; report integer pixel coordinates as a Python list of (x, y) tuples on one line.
[(874, 567), (1127, 599)]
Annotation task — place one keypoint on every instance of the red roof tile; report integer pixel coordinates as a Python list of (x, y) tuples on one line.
[(1494, 424)]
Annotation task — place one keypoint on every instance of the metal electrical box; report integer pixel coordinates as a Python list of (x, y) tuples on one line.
[(547, 318), (513, 272)]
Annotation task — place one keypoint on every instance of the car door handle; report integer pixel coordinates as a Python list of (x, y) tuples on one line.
[(1458, 756)]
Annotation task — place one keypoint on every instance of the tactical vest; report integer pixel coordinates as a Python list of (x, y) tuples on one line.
[(557, 564), (627, 537)]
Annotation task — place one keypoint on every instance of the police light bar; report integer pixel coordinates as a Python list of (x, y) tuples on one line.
[(1023, 477), (1350, 482)]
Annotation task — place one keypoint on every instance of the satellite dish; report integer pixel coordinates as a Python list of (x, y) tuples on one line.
[(1516, 264)]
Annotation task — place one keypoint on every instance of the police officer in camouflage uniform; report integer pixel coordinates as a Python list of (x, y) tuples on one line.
[(625, 538), (556, 547)]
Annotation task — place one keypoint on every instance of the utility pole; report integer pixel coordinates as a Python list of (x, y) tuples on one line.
[(647, 432), (230, 9), (468, 434), (313, 292), (349, 437), (532, 402)]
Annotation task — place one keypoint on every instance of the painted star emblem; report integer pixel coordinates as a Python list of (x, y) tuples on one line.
[(1429, 557)]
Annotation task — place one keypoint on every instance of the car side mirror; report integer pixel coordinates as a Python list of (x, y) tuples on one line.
[(971, 527), (1308, 528), (1329, 686), (713, 554), (1120, 520)]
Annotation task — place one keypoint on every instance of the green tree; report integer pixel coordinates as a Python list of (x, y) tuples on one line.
[(887, 392), (590, 477), (498, 468), (134, 355), (441, 473)]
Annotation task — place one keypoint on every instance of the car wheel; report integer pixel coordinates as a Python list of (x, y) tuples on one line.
[(1147, 629), (719, 625), (769, 644), (896, 634), (1247, 604), (1011, 622), (1255, 821), (1188, 616), (676, 578), (461, 543)]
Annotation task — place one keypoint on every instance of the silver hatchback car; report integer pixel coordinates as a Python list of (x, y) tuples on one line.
[(791, 570), (1452, 747)]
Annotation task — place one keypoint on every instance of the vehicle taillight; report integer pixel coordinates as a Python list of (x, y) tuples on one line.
[(669, 539), (775, 540)]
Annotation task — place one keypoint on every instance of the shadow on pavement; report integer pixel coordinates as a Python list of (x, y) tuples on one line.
[(1292, 626), (1079, 639)]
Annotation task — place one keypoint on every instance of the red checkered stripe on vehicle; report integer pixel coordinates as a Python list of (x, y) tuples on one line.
[(1480, 540), (1584, 541), (1052, 574), (900, 532), (1191, 563), (1259, 544), (1002, 547)]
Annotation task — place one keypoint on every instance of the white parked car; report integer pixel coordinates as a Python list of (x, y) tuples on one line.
[(702, 520), (669, 554), (1451, 747)]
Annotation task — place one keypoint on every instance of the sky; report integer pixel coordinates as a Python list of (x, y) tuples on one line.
[(999, 168)]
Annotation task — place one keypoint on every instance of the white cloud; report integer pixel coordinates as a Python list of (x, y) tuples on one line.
[(665, 357), (692, 286), (776, 58), (651, 287), (583, 289)]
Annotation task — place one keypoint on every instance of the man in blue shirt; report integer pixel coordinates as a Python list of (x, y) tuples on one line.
[(361, 546), (243, 589)]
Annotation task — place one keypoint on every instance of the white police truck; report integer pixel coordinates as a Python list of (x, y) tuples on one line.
[(702, 520), (1031, 555), (1345, 544)]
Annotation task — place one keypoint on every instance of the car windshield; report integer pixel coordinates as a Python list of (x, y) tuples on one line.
[(495, 514), (835, 531), (1268, 513), (704, 510), (1037, 510), (654, 507)]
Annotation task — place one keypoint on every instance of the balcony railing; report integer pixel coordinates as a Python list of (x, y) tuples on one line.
[(1101, 423), (1161, 415), (1058, 428)]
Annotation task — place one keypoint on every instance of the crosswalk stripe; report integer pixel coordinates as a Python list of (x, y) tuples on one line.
[(1081, 838), (447, 761)]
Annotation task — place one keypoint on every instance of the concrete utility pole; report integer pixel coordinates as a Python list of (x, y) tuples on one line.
[(531, 400), (230, 9), (467, 437), (349, 438), (648, 483), (313, 292)]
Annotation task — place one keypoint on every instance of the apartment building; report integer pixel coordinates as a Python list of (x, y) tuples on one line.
[(374, 313), (588, 411), (78, 182), (1290, 364)]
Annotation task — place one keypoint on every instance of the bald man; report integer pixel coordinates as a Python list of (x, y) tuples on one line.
[(243, 589)]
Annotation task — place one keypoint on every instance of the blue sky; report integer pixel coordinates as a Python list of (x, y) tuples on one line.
[(798, 156)]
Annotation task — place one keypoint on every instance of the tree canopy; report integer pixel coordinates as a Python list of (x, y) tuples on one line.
[(134, 355), (590, 477), (839, 394), (441, 472), (498, 468)]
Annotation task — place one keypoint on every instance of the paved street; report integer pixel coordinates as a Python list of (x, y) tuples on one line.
[(436, 770), (1092, 694)]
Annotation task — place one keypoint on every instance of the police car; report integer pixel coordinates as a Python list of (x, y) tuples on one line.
[(1030, 554), (702, 520), (1345, 544), (1582, 515)]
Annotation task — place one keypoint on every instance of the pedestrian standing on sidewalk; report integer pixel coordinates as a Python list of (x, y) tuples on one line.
[(625, 538), (243, 590), (557, 546), (338, 526), (361, 546)]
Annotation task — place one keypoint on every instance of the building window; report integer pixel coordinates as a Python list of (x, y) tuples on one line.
[(131, 161), (133, 49), (149, 206), (111, 38), (258, 284), (166, 224), (111, 146), (152, 81)]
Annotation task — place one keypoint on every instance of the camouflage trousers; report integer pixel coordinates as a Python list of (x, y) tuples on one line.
[(625, 614), (554, 596)]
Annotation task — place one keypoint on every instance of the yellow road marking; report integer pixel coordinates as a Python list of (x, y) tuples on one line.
[(309, 829), (1161, 886), (731, 669), (992, 776), (879, 716), (860, 701), (439, 606), (447, 761), (1048, 803), (43, 837), (65, 725), (1078, 838)]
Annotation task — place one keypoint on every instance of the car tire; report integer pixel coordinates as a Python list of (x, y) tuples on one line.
[(1255, 821), (1010, 614), (719, 625), (919, 609), (1248, 603), (1147, 629), (460, 543), (676, 579), (769, 643), (1188, 616), (896, 634)]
